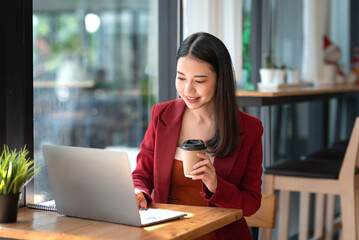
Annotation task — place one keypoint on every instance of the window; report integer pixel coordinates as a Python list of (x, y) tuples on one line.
[(95, 76), (287, 32), (246, 28), (221, 19)]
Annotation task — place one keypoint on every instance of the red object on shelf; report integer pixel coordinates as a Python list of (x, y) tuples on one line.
[(332, 54), (355, 64)]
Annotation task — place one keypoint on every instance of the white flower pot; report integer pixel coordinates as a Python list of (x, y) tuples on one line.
[(279, 75), (266, 75), (293, 76)]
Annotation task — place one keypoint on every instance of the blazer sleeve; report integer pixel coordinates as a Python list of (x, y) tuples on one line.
[(143, 174), (246, 195)]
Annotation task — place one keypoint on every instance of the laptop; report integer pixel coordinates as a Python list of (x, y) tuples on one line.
[(97, 184)]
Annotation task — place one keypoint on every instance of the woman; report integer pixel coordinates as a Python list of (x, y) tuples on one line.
[(229, 175)]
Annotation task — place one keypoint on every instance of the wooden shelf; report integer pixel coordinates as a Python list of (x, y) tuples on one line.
[(267, 98), (69, 84), (299, 91)]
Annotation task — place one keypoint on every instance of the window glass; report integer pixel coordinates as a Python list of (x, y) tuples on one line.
[(95, 75), (287, 32), (247, 27), (230, 21)]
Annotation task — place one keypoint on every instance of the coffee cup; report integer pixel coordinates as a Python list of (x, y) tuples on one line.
[(189, 150)]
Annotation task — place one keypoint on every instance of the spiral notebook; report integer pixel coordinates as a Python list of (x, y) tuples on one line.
[(48, 205)]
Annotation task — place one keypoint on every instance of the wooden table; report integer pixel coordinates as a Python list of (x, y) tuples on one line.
[(40, 225), (266, 99)]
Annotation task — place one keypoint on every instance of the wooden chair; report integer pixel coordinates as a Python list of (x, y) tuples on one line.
[(265, 217), (307, 177), (335, 152)]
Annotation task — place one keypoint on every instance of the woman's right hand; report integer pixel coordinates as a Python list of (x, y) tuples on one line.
[(141, 200)]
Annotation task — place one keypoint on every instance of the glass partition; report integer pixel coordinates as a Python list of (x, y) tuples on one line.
[(95, 75), (287, 31)]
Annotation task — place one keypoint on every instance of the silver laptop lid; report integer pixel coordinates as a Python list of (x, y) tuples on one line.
[(92, 183)]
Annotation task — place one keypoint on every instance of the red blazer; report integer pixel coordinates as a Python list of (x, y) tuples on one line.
[(238, 176)]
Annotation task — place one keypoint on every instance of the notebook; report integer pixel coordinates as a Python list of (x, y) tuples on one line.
[(47, 205), (97, 184)]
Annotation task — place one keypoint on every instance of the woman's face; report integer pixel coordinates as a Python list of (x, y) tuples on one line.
[(196, 82)]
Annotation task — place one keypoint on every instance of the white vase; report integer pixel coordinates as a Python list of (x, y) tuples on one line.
[(266, 75), (279, 75), (293, 76)]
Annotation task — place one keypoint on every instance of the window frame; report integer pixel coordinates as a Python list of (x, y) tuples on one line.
[(16, 73)]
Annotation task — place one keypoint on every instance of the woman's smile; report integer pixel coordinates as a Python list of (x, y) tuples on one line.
[(192, 99)]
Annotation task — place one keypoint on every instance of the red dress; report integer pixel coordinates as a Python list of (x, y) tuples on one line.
[(185, 191)]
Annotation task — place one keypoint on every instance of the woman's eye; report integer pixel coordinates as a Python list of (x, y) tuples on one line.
[(180, 78), (197, 81)]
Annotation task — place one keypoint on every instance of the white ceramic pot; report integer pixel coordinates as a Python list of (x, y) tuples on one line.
[(279, 75), (293, 76), (266, 75)]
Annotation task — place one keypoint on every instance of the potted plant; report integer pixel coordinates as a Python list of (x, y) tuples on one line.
[(267, 72), (279, 75), (293, 76), (16, 170)]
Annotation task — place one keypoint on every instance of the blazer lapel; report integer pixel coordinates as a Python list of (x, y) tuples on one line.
[(225, 165), (169, 127)]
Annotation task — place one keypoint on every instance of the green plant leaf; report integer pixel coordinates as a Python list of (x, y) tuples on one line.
[(16, 170)]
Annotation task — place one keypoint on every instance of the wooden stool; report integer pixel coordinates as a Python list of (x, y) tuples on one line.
[(316, 176), (335, 153)]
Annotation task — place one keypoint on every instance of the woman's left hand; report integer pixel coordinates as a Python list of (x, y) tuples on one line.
[(205, 171)]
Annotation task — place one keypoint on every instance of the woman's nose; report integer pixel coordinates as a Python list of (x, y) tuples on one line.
[(189, 87)]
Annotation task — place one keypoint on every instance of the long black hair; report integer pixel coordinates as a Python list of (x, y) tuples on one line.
[(208, 48)]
